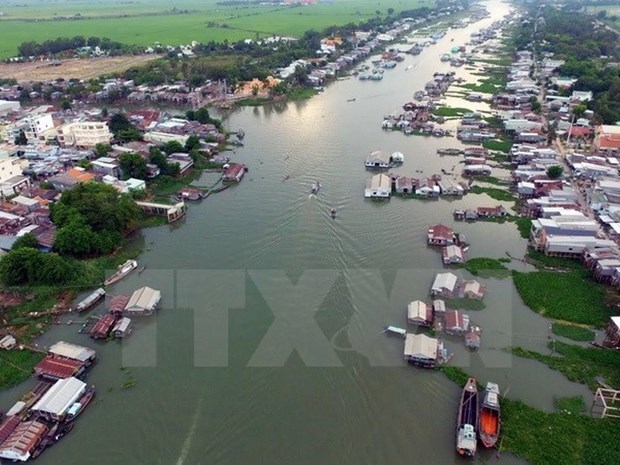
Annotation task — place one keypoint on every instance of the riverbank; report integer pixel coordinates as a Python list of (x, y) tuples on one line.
[(565, 437)]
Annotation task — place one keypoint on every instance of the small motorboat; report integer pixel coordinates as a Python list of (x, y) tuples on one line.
[(315, 187), (333, 213)]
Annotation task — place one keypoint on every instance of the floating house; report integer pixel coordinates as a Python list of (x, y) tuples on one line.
[(234, 172), (378, 187), (422, 350), (21, 443), (102, 328), (445, 285), (143, 301), (73, 351), (117, 304), (122, 328), (55, 368), (440, 235), (55, 403), (377, 160), (419, 313), (473, 290), (452, 254), (456, 322)]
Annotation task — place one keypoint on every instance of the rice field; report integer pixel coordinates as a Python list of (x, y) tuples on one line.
[(173, 23)]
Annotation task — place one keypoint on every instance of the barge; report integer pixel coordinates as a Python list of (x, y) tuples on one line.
[(467, 420), (90, 301)]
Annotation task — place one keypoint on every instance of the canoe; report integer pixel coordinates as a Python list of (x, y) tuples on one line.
[(489, 422)]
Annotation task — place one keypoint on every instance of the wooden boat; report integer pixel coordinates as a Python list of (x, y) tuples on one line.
[(467, 420), (395, 330), (315, 187), (489, 421), (90, 301), (79, 406), (333, 213), (122, 271)]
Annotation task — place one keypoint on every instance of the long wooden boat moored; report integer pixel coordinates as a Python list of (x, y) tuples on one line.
[(122, 271), (90, 301), (489, 421), (467, 420)]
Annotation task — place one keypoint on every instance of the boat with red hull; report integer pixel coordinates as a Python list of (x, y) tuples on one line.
[(489, 418)]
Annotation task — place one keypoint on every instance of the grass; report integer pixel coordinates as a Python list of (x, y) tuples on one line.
[(447, 111), (560, 438), (301, 93), (568, 296), (151, 221), (493, 192), (465, 304), (491, 180), (524, 225), (579, 364), (503, 145), (576, 333), (166, 185), (486, 267), (142, 23), (553, 262), (574, 405), (17, 366)]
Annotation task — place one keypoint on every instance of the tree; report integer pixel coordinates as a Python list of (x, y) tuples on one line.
[(390, 11), (127, 135), (77, 241), (119, 122), (101, 150), (579, 110), (555, 172), (132, 165), (97, 205), (29, 266), (27, 240), (172, 146), (192, 142), (21, 139), (202, 115), (66, 105)]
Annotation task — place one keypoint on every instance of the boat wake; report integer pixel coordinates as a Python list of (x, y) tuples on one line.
[(190, 435)]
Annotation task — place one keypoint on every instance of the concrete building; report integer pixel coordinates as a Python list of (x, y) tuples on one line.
[(10, 168), (84, 134)]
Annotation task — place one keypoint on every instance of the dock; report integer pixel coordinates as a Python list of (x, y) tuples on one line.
[(171, 212)]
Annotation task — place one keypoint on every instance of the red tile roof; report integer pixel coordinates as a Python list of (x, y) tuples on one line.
[(609, 141), (7, 427), (440, 231), (118, 303)]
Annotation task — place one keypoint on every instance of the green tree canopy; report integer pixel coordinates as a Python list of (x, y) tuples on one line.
[(555, 172), (28, 266), (99, 206), (192, 142), (132, 165), (27, 240)]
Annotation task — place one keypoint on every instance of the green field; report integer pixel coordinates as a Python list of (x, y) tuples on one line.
[(144, 23)]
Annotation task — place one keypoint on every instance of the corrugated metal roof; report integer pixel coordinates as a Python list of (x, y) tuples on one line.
[(143, 299), (60, 396), (420, 346), (57, 367), (22, 440), (64, 349), (444, 281)]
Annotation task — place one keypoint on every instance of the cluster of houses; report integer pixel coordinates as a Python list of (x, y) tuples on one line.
[(60, 151), (453, 246), (426, 351), (45, 413), (121, 308)]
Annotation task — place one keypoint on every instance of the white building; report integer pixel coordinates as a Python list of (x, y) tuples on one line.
[(379, 186), (9, 168), (7, 106), (84, 134), (445, 285), (143, 301), (57, 400)]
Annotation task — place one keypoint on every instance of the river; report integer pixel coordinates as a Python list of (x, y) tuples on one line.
[(261, 269)]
